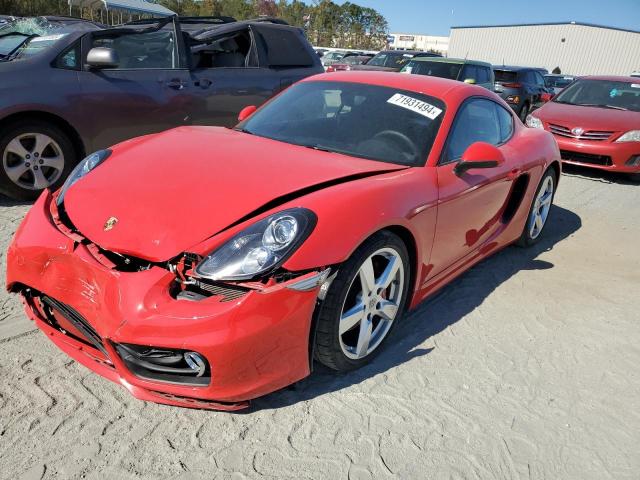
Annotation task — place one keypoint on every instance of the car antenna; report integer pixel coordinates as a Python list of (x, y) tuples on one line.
[(467, 55)]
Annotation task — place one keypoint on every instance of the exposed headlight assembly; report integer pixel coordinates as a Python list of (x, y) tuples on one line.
[(260, 248), (632, 136), (534, 122), (84, 167)]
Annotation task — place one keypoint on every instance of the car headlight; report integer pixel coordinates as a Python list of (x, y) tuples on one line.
[(260, 248), (631, 136), (84, 167), (534, 122)]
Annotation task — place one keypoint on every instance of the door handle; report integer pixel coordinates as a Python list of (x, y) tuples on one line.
[(176, 84)]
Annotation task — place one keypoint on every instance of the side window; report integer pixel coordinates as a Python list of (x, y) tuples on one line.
[(476, 121), (142, 50), (282, 47), (505, 120), (483, 75), (233, 50), (69, 59)]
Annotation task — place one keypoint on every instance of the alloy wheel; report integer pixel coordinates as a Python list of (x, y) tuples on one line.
[(541, 207), (372, 303), (33, 161)]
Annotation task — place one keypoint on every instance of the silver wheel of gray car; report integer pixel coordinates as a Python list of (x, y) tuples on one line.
[(372, 303), (33, 161)]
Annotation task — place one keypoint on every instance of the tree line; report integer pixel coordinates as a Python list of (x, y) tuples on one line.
[(326, 23)]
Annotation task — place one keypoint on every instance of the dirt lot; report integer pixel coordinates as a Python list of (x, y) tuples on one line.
[(526, 367)]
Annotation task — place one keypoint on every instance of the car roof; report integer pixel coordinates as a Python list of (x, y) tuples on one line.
[(459, 61), (613, 78), (513, 68), (559, 75)]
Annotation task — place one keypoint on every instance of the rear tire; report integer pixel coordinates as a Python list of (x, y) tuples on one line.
[(34, 155), (364, 303), (540, 209)]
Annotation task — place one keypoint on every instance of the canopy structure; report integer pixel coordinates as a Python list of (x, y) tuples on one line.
[(137, 7)]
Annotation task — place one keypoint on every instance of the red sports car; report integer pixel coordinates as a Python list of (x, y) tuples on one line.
[(204, 267), (596, 121)]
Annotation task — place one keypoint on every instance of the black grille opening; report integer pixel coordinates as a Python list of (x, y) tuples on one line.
[(588, 158), (78, 321), (634, 161), (168, 365)]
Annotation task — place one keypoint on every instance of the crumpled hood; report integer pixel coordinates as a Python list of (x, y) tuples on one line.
[(172, 190), (589, 118)]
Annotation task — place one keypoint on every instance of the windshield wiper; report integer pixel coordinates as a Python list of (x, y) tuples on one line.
[(244, 130), (324, 148), (600, 105)]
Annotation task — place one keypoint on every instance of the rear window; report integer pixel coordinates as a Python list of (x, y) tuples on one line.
[(434, 69), (505, 76), (390, 59), (284, 48)]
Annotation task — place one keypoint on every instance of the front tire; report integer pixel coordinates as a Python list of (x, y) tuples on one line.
[(365, 301), (35, 155), (539, 211)]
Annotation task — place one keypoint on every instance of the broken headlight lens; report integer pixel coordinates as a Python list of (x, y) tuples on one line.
[(260, 248), (84, 167)]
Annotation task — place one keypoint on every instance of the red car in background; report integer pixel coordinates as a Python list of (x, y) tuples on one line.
[(305, 233), (596, 122), (348, 62)]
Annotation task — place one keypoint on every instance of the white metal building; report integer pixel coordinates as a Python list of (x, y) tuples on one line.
[(577, 48), (410, 41)]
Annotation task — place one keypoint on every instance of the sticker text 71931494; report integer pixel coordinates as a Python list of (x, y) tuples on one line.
[(418, 106)]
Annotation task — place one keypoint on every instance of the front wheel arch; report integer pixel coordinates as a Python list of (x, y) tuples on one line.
[(55, 120)]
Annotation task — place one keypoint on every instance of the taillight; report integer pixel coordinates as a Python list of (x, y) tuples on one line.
[(330, 68), (512, 85)]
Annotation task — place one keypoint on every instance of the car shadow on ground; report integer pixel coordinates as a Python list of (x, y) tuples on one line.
[(596, 175), (433, 315)]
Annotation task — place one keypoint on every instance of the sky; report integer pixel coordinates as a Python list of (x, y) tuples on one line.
[(435, 17)]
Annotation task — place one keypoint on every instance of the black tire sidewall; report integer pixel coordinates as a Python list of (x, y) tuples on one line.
[(35, 126), (327, 346), (525, 239), (524, 111)]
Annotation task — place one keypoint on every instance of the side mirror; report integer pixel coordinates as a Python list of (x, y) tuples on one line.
[(470, 81), (479, 155), (246, 112), (102, 57)]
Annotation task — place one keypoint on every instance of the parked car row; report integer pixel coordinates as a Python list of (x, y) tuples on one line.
[(78, 86)]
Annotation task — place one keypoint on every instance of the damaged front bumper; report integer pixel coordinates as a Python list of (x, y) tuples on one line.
[(253, 342)]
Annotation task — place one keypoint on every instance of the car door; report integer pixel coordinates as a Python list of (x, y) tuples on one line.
[(227, 77), (470, 205), (146, 92)]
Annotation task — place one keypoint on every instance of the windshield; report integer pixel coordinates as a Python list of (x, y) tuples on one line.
[(505, 76), (434, 69), (557, 82), (355, 119), (612, 94), (35, 45), (11, 41), (390, 59)]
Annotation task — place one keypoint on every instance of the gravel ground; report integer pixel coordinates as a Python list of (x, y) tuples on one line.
[(524, 368)]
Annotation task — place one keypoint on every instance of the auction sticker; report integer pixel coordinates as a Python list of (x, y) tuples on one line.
[(418, 106)]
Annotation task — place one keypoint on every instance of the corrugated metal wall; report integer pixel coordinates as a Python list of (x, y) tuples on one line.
[(586, 50)]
